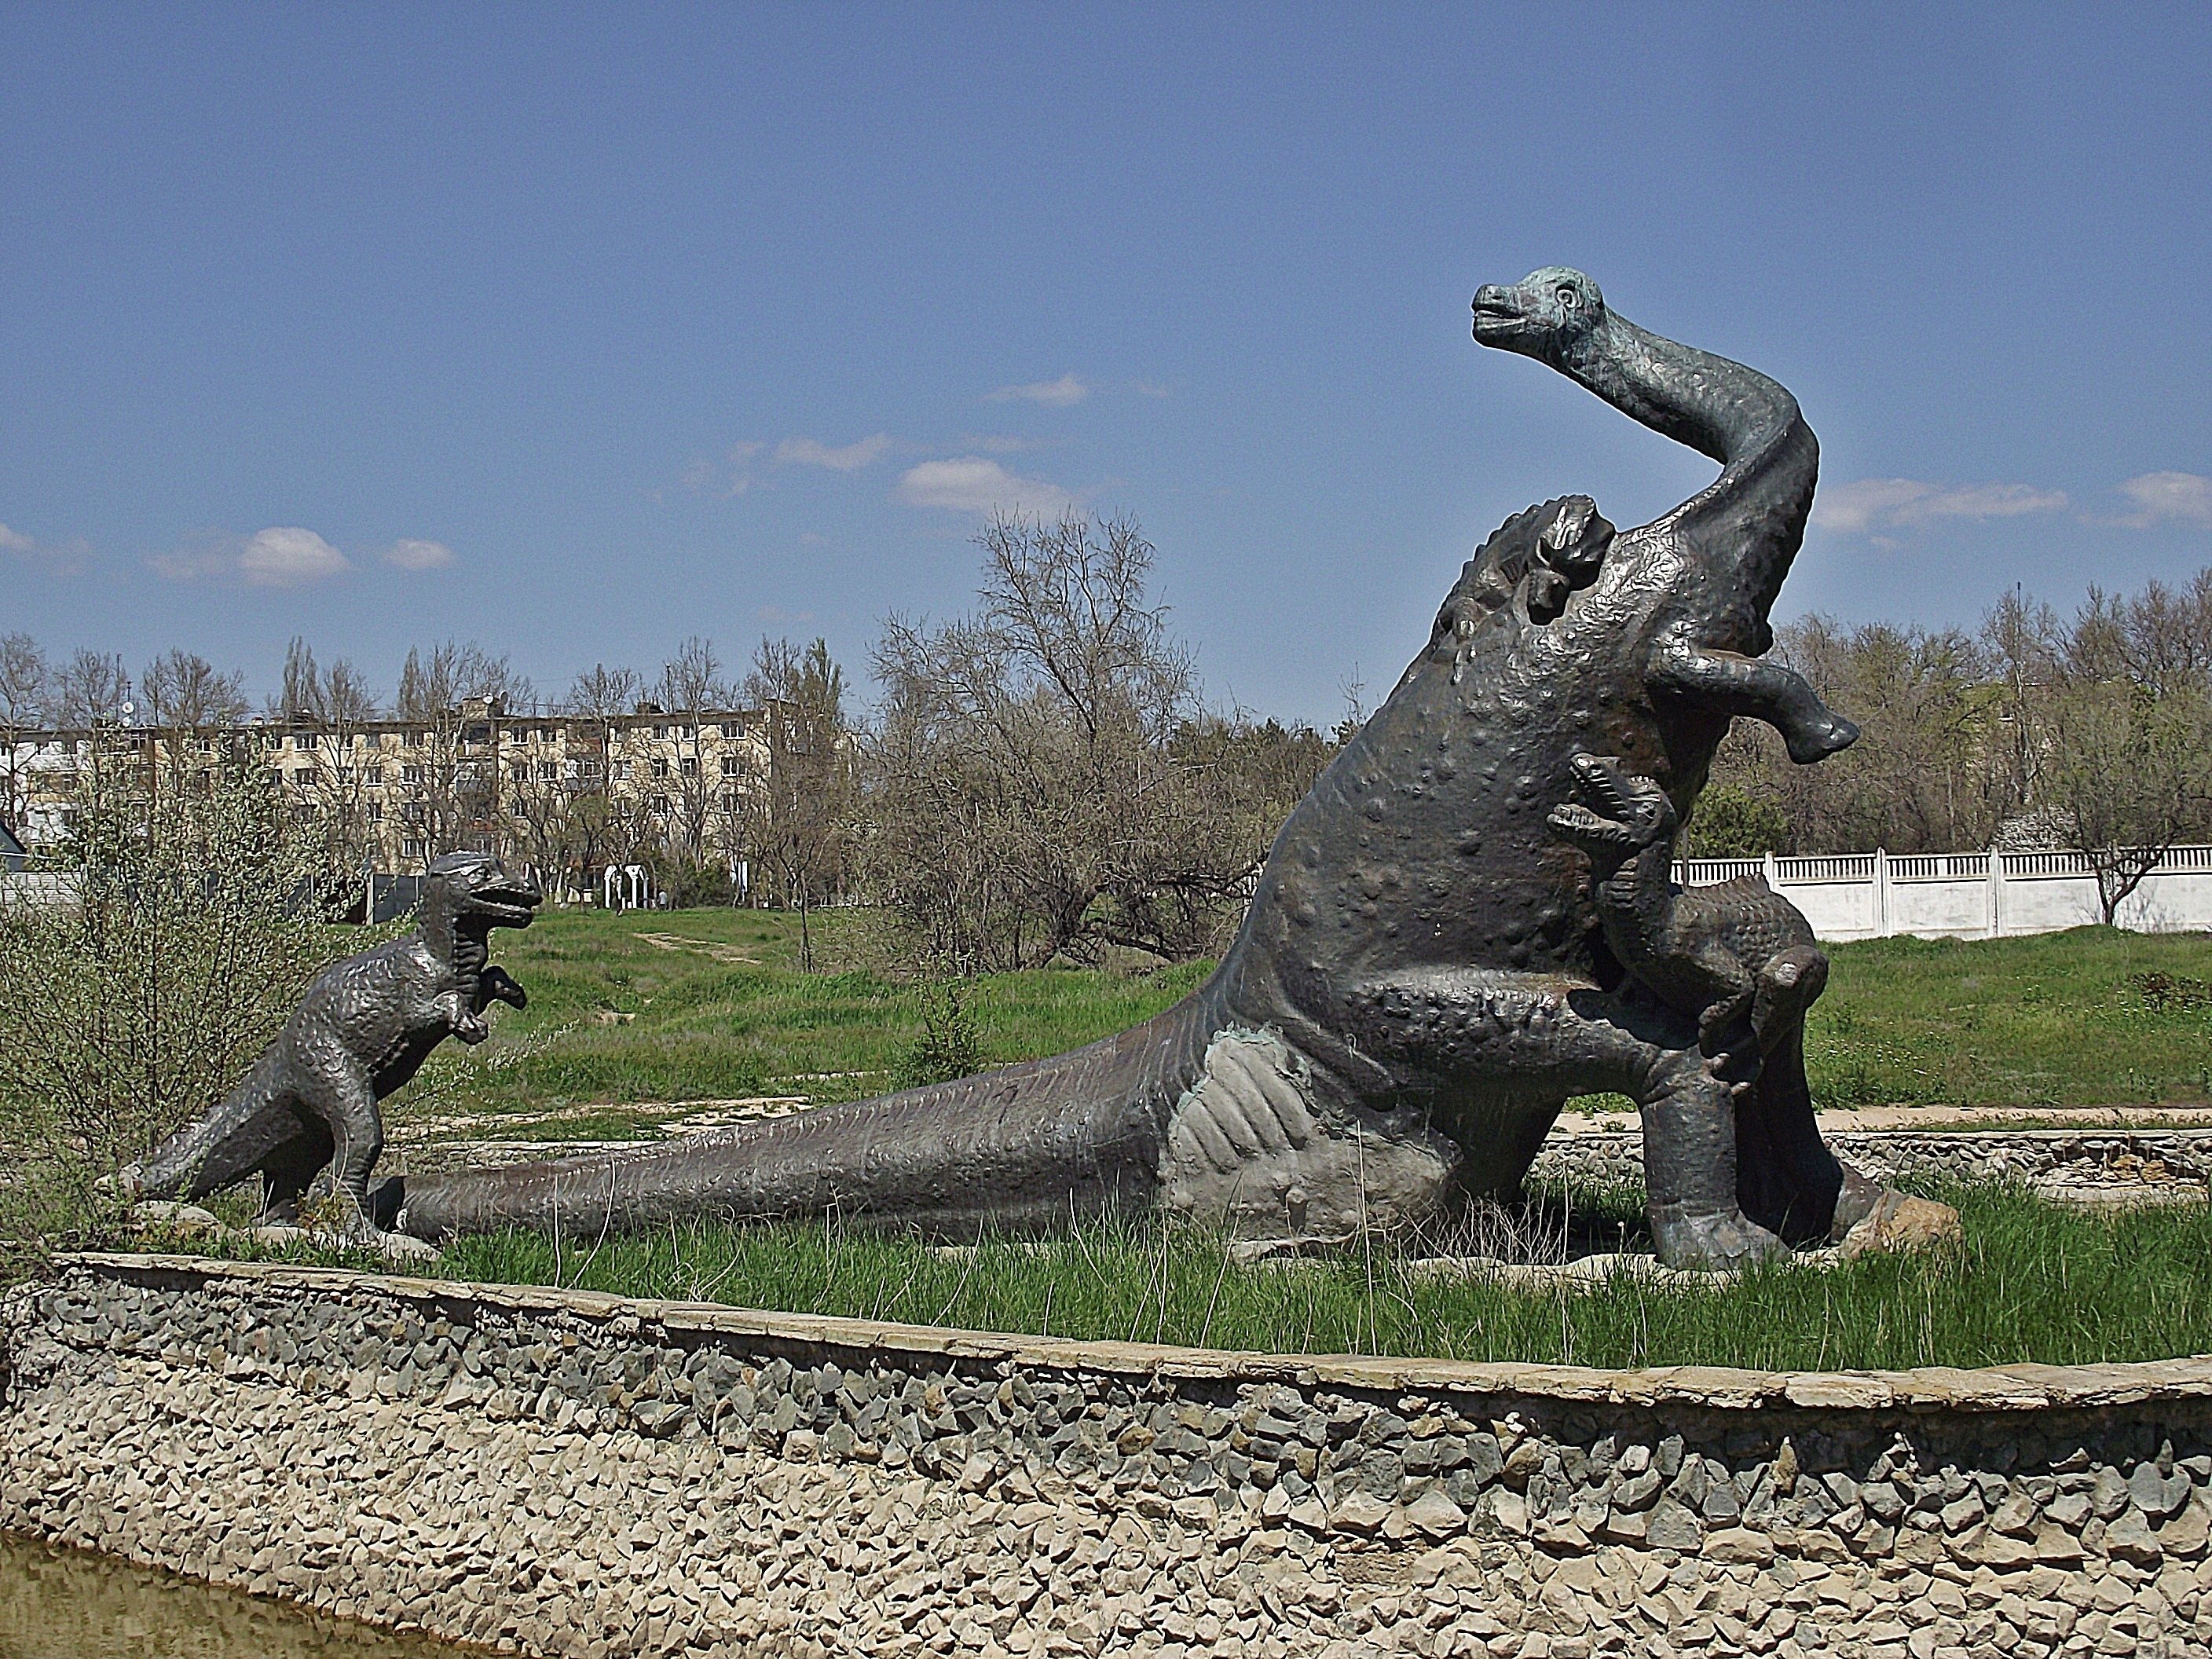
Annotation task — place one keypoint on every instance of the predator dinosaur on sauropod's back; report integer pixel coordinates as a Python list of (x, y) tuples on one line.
[(1423, 977)]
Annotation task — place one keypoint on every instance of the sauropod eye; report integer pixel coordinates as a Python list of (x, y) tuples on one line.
[(1569, 298)]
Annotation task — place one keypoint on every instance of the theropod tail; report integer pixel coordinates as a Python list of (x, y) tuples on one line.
[(1027, 1147), (251, 1130)]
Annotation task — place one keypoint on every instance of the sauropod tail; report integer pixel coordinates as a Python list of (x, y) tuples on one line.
[(1029, 1146)]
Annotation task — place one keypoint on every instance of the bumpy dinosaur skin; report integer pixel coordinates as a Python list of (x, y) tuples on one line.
[(361, 1033), (1423, 977)]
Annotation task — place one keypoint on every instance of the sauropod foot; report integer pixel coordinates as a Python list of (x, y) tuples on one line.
[(1712, 1240), (1818, 739)]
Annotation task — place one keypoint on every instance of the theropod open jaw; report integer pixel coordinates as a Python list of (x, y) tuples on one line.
[(510, 904), (1617, 812)]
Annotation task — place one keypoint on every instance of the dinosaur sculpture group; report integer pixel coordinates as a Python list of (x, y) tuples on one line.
[(1467, 920), (1431, 966), (362, 1032)]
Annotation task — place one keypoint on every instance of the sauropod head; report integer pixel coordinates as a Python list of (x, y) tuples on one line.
[(1544, 315)]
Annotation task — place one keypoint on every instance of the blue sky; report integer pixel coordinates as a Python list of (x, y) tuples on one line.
[(581, 330)]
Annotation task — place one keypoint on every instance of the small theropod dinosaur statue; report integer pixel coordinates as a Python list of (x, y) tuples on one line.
[(1736, 954), (362, 1032), (1424, 975)]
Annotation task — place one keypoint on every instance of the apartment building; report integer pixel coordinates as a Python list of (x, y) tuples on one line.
[(560, 791)]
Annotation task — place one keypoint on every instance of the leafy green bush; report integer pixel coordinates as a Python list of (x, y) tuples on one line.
[(1730, 821), (947, 1046)]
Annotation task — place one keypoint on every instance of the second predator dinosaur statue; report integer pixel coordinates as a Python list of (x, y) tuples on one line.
[(362, 1032), (1423, 978)]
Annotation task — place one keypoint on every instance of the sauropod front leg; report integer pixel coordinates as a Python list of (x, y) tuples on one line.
[(1752, 685)]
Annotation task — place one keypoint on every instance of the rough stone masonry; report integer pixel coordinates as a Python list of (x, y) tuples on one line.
[(561, 1473)]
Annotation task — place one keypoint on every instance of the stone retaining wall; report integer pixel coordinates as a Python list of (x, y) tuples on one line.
[(564, 1472), (2145, 1158)]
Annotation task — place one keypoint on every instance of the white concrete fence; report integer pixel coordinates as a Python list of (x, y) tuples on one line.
[(1967, 895)]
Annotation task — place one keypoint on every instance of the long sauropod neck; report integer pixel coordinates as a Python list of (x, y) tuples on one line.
[(1717, 406), (1750, 424)]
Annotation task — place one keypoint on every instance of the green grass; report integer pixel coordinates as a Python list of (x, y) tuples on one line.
[(2032, 1282), (2058, 1020), (630, 1012), (708, 1004)]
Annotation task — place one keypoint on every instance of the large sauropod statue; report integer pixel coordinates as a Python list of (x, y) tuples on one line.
[(362, 1032), (1423, 978)]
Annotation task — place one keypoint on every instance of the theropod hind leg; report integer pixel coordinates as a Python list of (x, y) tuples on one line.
[(289, 1175), (345, 1099), (1530, 1042)]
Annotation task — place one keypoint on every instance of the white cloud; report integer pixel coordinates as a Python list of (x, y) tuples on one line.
[(1059, 393), (2160, 498), (974, 484), (67, 558), (1151, 389), (280, 556), (412, 555), (812, 451), (731, 476), (1869, 504), (285, 557)]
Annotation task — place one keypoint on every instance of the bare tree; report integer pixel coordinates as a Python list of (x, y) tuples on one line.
[(454, 694), (92, 688), (2085, 731), (692, 685), (2128, 776), (604, 830), (184, 692), (1044, 782), (25, 707), (796, 819)]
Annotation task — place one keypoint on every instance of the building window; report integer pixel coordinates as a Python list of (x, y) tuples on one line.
[(376, 811), (346, 775), (376, 774), (690, 766), (412, 774), (412, 849), (548, 771), (730, 802), (301, 740), (622, 770), (730, 766), (659, 804), (520, 771), (660, 734), (302, 778), (659, 766), (412, 740)]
